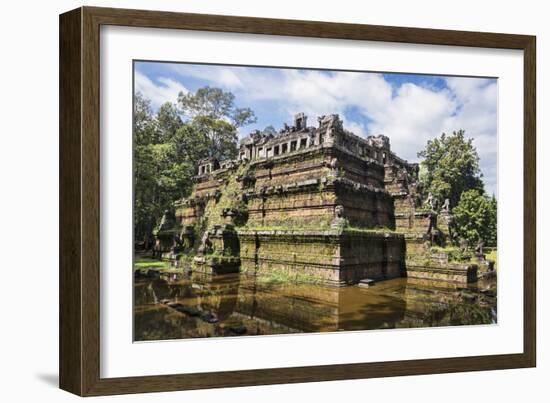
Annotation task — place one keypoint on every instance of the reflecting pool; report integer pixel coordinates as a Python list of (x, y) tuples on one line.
[(174, 306)]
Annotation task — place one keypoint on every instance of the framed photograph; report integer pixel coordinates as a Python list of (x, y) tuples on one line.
[(248, 201)]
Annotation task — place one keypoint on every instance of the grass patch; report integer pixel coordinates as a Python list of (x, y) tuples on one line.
[(381, 230), (455, 254), (278, 277), (446, 249), (141, 263)]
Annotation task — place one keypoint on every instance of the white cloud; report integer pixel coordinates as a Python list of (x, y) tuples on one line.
[(158, 94), (356, 128), (224, 76), (319, 93), (412, 117)]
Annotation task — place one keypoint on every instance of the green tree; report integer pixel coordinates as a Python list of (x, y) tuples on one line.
[(214, 119), (159, 176), (189, 145), (215, 104), (144, 135), (450, 167), (167, 148), (219, 135), (144, 171), (160, 179), (475, 217), (203, 137), (168, 122), (144, 123)]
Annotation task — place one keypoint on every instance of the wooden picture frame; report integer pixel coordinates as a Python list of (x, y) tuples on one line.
[(80, 184)]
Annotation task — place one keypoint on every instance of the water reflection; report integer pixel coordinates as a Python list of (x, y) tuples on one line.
[(174, 307)]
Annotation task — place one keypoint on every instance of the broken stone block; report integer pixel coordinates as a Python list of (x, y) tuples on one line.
[(366, 283)]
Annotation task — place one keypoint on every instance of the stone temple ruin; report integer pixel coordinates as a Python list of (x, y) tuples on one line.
[(315, 203)]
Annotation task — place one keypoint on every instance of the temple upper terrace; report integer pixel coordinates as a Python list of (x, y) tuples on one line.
[(301, 138)]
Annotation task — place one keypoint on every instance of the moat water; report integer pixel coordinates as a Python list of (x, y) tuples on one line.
[(177, 307)]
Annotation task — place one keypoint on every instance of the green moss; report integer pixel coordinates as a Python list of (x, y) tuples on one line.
[(229, 197), (217, 258), (441, 249), (313, 225), (320, 186), (454, 253), (185, 258), (382, 230), (291, 225), (274, 277), (140, 263)]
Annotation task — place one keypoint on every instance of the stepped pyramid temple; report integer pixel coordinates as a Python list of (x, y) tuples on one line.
[(315, 203)]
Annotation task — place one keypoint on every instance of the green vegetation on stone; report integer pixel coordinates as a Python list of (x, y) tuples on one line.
[(291, 225), (454, 253), (140, 263), (285, 277), (376, 230)]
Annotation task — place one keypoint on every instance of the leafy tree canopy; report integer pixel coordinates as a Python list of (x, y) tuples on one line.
[(144, 125), (167, 148), (476, 217), (168, 121), (216, 104), (450, 166), (219, 136)]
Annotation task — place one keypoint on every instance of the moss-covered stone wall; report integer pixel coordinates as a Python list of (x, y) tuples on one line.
[(332, 257)]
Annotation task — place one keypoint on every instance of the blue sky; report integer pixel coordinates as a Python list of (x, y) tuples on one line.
[(409, 108)]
